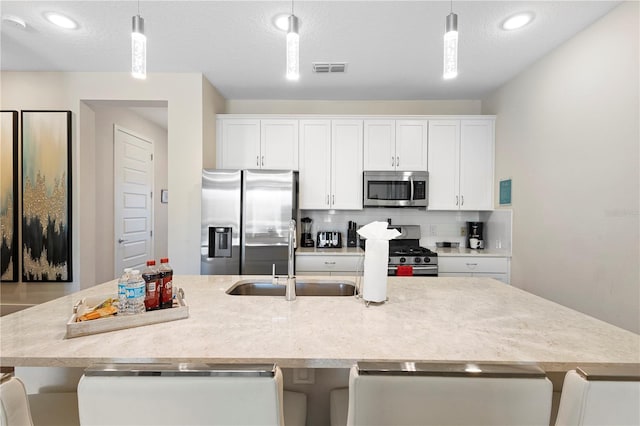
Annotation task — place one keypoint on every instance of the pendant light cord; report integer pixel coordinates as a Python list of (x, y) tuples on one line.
[(138, 7), (292, 7), (450, 10)]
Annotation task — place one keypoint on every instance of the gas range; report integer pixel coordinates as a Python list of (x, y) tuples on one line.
[(406, 257)]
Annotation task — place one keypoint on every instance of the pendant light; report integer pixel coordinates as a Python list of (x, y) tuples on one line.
[(293, 48), (138, 47), (451, 46)]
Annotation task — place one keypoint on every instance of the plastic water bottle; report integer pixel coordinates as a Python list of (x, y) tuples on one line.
[(135, 293), (122, 292)]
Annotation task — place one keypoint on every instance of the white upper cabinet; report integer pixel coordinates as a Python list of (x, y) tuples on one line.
[(315, 164), (411, 144), (238, 144), (330, 164), (379, 145), (258, 144), (346, 164), (461, 164), (399, 145)]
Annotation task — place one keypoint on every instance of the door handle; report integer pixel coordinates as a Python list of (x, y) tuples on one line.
[(462, 198), (411, 195), (327, 199), (393, 161), (397, 161), (257, 160), (333, 199), (457, 200), (121, 240), (263, 160)]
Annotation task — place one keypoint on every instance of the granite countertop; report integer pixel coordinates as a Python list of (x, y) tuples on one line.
[(462, 251), (344, 251), (425, 319)]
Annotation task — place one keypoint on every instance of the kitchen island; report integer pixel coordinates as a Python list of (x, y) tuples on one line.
[(425, 319)]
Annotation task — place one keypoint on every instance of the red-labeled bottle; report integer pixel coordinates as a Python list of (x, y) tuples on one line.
[(165, 273), (150, 276)]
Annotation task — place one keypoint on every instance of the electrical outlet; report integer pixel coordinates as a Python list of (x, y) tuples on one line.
[(304, 376), (463, 231)]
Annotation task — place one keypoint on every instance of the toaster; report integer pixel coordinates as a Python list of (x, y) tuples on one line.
[(329, 239)]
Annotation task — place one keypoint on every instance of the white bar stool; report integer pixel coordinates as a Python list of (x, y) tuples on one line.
[(182, 394), (607, 395), (408, 393), (14, 404)]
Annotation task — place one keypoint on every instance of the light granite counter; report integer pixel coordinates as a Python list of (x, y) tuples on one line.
[(425, 319)]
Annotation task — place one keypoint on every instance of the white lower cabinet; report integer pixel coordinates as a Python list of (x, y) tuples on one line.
[(474, 266), (328, 265)]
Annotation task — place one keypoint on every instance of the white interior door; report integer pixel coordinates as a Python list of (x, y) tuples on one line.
[(133, 195)]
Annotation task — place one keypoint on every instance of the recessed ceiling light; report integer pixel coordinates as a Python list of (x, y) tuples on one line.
[(517, 21), (61, 20), (281, 22), (15, 21)]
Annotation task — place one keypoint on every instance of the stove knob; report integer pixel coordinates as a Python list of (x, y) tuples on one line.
[(402, 260), (427, 260), (417, 260)]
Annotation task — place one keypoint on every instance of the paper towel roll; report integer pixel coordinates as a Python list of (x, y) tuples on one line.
[(376, 256)]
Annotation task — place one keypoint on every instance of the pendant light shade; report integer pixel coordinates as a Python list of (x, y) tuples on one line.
[(451, 47), (138, 48), (293, 49)]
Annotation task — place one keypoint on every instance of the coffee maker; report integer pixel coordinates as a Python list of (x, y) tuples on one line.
[(307, 238), (475, 235)]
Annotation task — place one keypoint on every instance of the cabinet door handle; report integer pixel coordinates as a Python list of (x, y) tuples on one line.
[(397, 161), (257, 160), (393, 161), (327, 199), (333, 199), (462, 198), (457, 199), (329, 263)]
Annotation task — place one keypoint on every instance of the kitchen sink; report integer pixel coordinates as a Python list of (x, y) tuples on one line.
[(303, 288)]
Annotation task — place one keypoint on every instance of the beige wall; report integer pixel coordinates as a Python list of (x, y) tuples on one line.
[(567, 133), (212, 104), (184, 96), (354, 107), (105, 119)]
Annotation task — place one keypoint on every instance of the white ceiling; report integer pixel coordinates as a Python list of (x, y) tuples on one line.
[(393, 48)]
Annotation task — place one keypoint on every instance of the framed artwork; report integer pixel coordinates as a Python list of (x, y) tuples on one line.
[(46, 196), (9, 196)]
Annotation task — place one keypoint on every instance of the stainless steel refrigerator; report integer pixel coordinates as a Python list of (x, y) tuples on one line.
[(245, 221)]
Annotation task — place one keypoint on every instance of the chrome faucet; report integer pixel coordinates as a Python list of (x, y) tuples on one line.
[(290, 292)]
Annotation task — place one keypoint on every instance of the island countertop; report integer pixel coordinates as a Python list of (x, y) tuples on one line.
[(425, 319)]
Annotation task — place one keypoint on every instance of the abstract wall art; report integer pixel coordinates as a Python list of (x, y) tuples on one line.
[(46, 196), (8, 196)]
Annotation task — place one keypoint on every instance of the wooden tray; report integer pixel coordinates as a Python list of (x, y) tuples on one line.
[(179, 310)]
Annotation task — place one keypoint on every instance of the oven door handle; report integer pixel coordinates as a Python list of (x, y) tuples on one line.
[(415, 268)]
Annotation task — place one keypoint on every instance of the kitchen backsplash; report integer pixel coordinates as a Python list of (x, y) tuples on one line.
[(434, 226)]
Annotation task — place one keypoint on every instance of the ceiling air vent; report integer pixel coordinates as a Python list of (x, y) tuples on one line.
[(329, 67)]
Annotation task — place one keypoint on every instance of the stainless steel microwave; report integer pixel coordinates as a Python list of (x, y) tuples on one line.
[(396, 189)]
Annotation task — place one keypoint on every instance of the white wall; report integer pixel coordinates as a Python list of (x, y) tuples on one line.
[(567, 133), (184, 96), (105, 118), (425, 107)]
